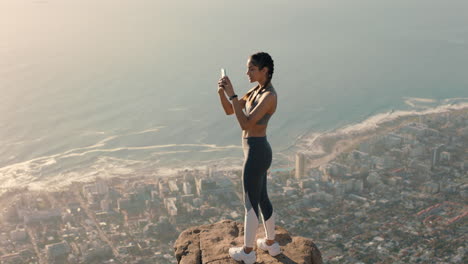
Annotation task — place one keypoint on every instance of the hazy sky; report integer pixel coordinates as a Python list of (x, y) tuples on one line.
[(208, 34), (360, 47)]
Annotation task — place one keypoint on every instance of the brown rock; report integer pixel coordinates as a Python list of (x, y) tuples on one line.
[(210, 244)]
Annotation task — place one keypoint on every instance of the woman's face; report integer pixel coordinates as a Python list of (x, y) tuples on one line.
[(254, 73)]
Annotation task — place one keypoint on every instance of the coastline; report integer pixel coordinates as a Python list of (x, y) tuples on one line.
[(321, 148)]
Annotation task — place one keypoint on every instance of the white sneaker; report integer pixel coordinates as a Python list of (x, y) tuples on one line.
[(239, 254), (273, 250)]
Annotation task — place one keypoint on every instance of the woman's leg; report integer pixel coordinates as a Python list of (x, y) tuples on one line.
[(258, 159), (267, 211), (251, 182)]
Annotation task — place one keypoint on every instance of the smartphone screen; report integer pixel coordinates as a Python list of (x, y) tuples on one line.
[(223, 72)]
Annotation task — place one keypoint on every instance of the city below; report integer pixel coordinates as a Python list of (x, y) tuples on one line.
[(399, 196)]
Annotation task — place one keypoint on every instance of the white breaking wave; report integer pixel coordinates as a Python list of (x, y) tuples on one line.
[(414, 101), (52, 171), (149, 148), (148, 131), (374, 121)]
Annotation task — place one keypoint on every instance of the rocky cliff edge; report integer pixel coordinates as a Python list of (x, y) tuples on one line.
[(210, 244)]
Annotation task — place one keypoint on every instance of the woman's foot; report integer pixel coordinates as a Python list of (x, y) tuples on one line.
[(273, 248), (239, 254)]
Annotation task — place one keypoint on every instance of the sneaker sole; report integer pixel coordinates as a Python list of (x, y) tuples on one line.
[(246, 262)]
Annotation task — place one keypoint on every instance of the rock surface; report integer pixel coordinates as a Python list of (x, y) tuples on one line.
[(210, 244)]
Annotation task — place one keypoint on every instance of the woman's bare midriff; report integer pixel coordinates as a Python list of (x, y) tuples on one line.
[(256, 131)]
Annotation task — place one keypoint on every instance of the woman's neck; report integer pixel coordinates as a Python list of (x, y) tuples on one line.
[(264, 85)]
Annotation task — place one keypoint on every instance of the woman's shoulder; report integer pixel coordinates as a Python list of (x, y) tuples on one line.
[(249, 92), (270, 90)]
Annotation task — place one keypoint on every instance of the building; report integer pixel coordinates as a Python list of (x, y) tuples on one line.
[(308, 184), (417, 151), (392, 141), (339, 188), (187, 187), (445, 157), (321, 196), (333, 171), (211, 171), (163, 189), (123, 204), (358, 185), (133, 204), (289, 191), (187, 198), (431, 187), (315, 173), (173, 186), (101, 187), (374, 178), (45, 215), (414, 129), (18, 235), (204, 186), (436, 154), (105, 205), (300, 165), (171, 206), (58, 252)]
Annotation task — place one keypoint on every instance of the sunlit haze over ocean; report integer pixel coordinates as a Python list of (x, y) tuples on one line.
[(91, 88)]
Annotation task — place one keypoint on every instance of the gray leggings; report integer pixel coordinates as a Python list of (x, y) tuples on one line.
[(258, 157)]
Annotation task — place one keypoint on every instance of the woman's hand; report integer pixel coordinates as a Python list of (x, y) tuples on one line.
[(227, 85), (220, 87)]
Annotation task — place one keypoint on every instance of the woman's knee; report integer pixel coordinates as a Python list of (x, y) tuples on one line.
[(267, 209)]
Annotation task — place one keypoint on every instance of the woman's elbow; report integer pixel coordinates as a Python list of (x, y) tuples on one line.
[(245, 126)]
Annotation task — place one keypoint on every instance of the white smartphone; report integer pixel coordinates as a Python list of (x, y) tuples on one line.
[(223, 72)]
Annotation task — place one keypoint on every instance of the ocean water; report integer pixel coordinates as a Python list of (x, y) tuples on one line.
[(99, 89)]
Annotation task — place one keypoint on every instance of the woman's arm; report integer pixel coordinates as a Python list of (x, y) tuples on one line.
[(227, 106), (264, 104)]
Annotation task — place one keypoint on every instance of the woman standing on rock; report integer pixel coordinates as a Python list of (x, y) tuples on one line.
[(259, 104)]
